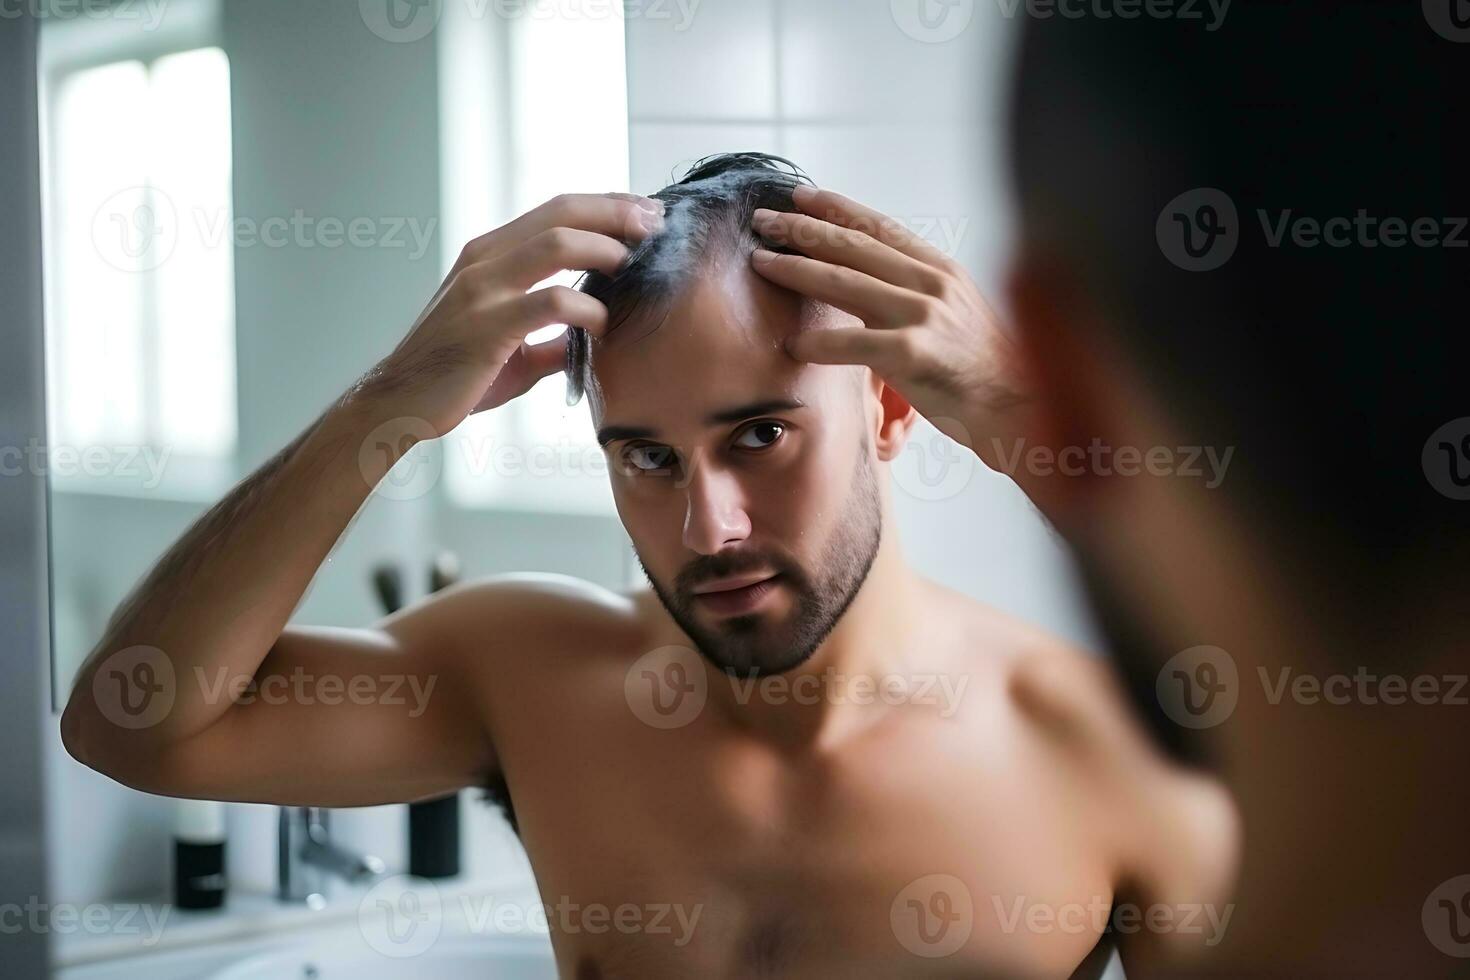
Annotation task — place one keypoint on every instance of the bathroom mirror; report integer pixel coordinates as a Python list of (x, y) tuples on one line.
[(247, 203)]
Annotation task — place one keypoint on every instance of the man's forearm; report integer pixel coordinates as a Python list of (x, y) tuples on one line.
[(221, 596)]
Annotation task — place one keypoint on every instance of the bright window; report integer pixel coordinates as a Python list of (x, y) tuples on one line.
[(140, 276), (568, 118)]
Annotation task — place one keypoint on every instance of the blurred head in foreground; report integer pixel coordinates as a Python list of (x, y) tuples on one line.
[(1241, 241)]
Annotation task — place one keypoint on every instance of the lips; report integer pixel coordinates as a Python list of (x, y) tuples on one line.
[(737, 594), (732, 582)]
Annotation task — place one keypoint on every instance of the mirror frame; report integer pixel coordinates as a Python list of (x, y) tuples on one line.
[(26, 720)]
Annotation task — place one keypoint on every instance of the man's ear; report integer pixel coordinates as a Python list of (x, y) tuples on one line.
[(1076, 380), (896, 418)]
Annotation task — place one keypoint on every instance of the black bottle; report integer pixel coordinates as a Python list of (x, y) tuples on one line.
[(433, 825), (199, 854)]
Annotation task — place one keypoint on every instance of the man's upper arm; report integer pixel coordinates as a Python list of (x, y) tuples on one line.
[(1174, 831), (346, 717)]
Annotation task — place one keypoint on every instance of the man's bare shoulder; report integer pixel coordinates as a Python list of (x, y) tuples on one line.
[(540, 619), (1053, 682), (1177, 828), (1012, 644)]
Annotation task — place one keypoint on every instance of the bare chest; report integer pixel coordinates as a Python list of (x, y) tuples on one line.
[(921, 852)]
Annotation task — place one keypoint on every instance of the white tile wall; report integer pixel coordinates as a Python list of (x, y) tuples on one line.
[(850, 60), (718, 63), (661, 152)]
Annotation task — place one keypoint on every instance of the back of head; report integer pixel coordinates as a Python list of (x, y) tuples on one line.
[(1329, 366), (707, 215)]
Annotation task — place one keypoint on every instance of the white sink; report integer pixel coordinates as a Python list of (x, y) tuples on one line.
[(401, 928), (474, 958)]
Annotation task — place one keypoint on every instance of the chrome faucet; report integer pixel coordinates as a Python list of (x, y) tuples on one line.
[(307, 858)]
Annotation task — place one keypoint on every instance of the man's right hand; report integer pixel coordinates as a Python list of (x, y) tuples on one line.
[(467, 351)]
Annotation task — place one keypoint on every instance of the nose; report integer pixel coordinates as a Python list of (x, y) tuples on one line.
[(716, 517)]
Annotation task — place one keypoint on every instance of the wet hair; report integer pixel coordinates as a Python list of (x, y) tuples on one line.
[(707, 217)]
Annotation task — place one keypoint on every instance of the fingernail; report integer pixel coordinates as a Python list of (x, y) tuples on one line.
[(762, 215), (651, 205), (652, 222), (762, 256), (802, 193)]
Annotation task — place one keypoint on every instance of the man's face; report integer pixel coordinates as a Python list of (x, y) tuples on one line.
[(745, 479)]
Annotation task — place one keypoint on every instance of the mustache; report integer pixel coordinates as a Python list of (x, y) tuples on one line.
[(727, 563)]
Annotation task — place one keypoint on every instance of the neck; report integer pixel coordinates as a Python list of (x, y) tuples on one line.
[(1345, 752), (833, 693)]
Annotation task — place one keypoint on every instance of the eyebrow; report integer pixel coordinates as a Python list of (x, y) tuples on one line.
[(614, 433)]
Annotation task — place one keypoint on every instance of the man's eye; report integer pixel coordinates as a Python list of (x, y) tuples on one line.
[(650, 458), (761, 435)]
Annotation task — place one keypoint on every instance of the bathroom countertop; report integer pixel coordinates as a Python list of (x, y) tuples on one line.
[(469, 906)]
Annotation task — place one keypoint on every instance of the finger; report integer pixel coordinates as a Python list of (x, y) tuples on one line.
[(840, 210), (885, 351), (552, 305), (828, 242), (623, 217), (875, 302), (555, 250), (528, 365)]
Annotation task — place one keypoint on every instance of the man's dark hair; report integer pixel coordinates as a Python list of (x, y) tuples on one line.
[(707, 217)]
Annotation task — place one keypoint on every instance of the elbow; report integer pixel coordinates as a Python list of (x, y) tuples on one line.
[(89, 737), (102, 751), (138, 757), (74, 732), (72, 724)]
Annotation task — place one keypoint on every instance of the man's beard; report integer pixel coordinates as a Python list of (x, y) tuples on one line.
[(747, 646)]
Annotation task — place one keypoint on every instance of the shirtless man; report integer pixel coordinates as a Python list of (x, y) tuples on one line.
[(827, 763)]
